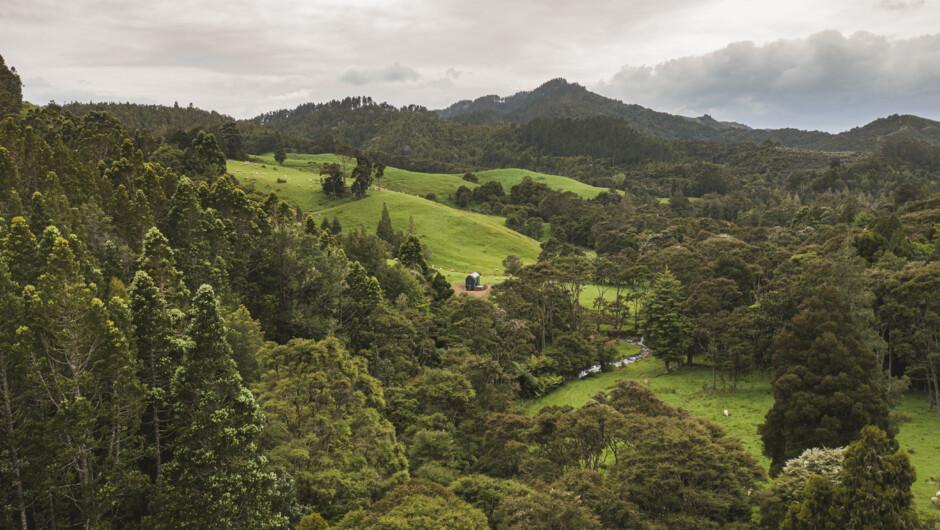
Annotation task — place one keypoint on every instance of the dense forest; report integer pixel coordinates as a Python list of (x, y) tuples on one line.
[(178, 351)]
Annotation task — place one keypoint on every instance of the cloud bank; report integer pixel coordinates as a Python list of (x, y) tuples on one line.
[(826, 81)]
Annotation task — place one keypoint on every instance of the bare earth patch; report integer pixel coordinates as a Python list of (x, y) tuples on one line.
[(461, 289)]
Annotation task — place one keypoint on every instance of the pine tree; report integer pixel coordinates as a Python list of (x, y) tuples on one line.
[(90, 398), (666, 331), (826, 385), (160, 355), (21, 252), (158, 260), (411, 256), (218, 472), (384, 230), (14, 401), (310, 227), (335, 226)]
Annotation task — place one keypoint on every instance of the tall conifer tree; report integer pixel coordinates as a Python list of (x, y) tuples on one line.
[(826, 383), (666, 330), (218, 472)]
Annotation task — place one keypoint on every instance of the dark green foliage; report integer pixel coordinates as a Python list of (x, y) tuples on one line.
[(826, 387), (217, 470), (333, 180), (666, 330), (418, 504), (205, 158), (11, 91), (411, 255), (487, 493), (84, 398), (873, 491), (363, 174), (344, 430), (462, 196), (280, 155), (231, 142), (912, 313), (553, 510), (384, 230), (159, 353)]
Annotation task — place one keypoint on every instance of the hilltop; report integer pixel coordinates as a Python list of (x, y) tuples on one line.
[(560, 99)]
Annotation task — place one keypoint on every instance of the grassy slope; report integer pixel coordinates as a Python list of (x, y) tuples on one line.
[(747, 407), (458, 239), (510, 177), (919, 437), (445, 185)]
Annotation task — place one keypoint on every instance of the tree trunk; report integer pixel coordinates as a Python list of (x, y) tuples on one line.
[(8, 412), (156, 436)]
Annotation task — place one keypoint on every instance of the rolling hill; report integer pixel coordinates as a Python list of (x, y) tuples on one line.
[(459, 240), (444, 185)]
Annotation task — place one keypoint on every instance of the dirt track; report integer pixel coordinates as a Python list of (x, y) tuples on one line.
[(460, 288)]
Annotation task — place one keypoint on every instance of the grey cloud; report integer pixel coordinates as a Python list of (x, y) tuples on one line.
[(395, 73), (826, 81)]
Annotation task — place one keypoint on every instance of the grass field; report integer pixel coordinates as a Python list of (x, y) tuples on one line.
[(510, 177), (441, 184), (458, 239), (920, 436), (747, 406)]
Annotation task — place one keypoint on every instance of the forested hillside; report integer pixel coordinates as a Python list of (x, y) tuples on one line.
[(560, 99), (180, 350)]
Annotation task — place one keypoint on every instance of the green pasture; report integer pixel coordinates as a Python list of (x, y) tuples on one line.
[(441, 184), (747, 405), (459, 240), (512, 176)]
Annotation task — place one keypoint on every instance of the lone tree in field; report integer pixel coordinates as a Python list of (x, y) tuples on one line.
[(666, 330), (280, 155), (826, 387), (384, 230)]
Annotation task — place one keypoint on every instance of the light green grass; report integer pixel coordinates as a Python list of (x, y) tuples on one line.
[(302, 188), (920, 436), (510, 177), (747, 407), (458, 239), (577, 392), (683, 388), (441, 184)]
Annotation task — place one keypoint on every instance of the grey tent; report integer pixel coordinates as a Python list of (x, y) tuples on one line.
[(473, 281)]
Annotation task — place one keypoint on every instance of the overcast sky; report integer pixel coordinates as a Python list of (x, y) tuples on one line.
[(824, 64)]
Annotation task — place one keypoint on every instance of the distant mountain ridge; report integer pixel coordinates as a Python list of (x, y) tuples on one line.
[(561, 99)]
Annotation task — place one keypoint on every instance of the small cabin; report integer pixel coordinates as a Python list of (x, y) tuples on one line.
[(473, 282)]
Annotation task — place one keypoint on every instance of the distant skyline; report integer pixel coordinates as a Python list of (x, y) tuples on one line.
[(827, 65)]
